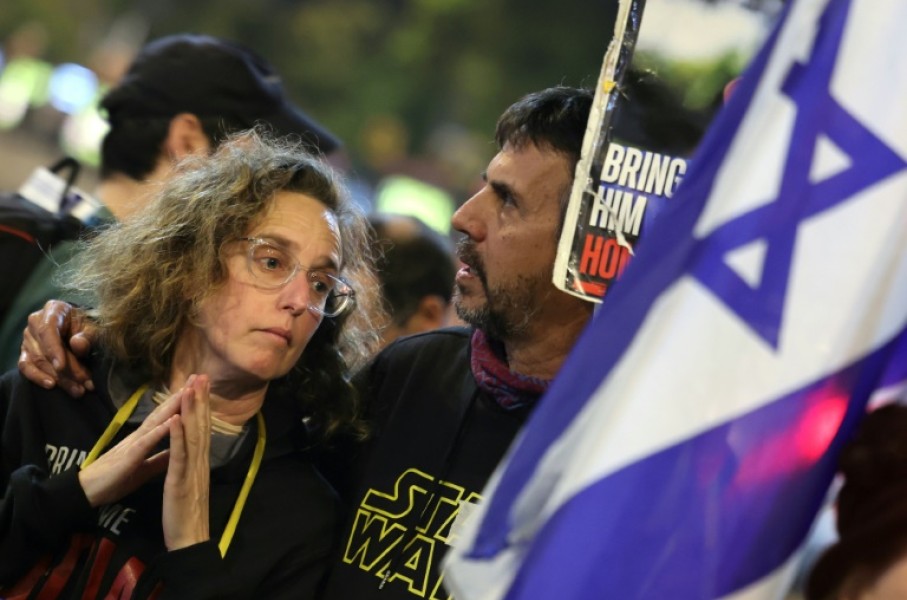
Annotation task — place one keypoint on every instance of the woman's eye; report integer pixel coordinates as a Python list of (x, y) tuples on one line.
[(271, 263), (321, 283)]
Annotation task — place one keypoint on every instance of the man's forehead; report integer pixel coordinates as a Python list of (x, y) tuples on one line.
[(516, 165)]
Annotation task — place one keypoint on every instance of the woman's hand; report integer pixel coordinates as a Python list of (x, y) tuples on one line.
[(127, 466), (186, 488), (45, 360)]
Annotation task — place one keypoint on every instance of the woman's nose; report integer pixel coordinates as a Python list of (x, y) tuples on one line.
[(295, 295)]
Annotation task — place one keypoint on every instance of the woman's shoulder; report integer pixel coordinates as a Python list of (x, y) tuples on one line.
[(14, 385)]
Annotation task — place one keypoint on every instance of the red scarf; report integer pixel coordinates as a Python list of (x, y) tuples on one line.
[(489, 366)]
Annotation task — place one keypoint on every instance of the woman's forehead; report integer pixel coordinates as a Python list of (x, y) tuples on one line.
[(303, 225)]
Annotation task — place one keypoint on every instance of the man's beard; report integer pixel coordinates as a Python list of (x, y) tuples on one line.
[(509, 306)]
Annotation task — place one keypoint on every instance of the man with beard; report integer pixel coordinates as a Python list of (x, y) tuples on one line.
[(445, 405)]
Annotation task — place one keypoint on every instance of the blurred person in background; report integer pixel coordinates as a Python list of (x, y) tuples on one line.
[(24, 76), (182, 95), (229, 313), (869, 560), (416, 270)]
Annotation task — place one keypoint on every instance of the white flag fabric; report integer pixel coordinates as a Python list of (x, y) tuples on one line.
[(691, 436)]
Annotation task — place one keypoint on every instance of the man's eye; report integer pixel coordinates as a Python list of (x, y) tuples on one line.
[(505, 194)]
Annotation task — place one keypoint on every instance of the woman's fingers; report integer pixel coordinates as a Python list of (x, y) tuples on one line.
[(176, 469), (157, 464), (186, 487), (203, 404), (122, 469), (186, 417), (196, 417), (164, 410)]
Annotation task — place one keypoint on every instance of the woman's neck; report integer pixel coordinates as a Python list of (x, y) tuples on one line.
[(234, 400), (231, 403), (236, 411)]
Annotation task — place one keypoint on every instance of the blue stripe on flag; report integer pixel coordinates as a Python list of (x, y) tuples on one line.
[(742, 494), (735, 501)]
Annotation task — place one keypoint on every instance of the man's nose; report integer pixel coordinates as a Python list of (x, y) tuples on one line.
[(468, 218)]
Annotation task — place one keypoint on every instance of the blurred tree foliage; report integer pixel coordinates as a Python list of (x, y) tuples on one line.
[(424, 62)]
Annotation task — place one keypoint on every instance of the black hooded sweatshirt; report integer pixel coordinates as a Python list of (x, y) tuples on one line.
[(52, 541)]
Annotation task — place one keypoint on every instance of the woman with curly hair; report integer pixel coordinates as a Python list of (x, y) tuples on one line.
[(229, 315)]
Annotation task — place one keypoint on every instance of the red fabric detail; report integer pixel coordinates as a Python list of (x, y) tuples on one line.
[(493, 375), (124, 584), (61, 573), (98, 567), (18, 233), (22, 588)]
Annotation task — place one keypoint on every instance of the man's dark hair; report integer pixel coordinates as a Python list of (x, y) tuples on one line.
[(554, 118), (416, 262), (133, 145), (648, 114)]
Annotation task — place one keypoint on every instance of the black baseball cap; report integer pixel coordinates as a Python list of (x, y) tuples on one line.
[(210, 77)]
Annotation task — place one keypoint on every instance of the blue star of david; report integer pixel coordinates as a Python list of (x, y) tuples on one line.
[(798, 199)]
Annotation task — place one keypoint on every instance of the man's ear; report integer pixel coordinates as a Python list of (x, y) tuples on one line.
[(185, 137)]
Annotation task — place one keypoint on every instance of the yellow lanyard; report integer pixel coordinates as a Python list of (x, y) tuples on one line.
[(123, 415)]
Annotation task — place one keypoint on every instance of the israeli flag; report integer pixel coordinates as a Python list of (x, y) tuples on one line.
[(690, 438)]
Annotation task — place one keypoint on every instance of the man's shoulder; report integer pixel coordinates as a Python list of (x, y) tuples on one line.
[(427, 348), (447, 337), (436, 358)]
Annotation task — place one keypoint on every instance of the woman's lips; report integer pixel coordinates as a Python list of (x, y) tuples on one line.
[(283, 334)]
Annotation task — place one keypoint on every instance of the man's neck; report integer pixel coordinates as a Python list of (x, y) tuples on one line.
[(124, 196), (121, 195), (541, 351)]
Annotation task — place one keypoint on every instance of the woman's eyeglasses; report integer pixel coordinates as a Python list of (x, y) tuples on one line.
[(273, 267)]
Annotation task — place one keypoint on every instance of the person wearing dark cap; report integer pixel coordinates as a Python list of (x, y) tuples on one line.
[(182, 95), (869, 560), (417, 271)]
